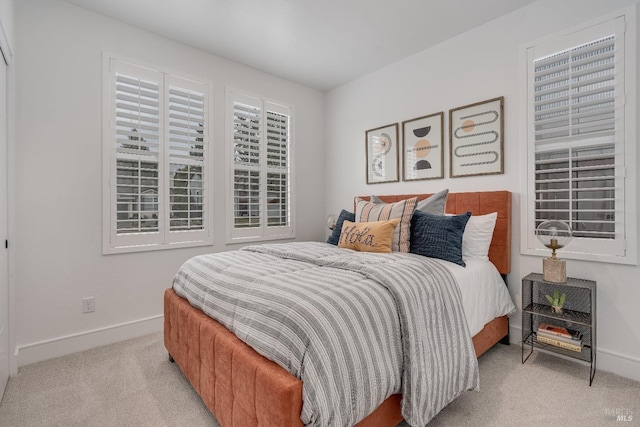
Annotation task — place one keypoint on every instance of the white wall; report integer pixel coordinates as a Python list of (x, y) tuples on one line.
[(57, 249), (480, 64)]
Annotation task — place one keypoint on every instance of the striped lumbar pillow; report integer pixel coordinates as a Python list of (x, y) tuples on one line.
[(403, 210)]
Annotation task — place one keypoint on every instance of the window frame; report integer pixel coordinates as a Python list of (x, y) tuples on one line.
[(264, 232), (112, 243), (623, 250)]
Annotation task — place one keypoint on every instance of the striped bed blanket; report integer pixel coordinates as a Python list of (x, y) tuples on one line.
[(355, 327)]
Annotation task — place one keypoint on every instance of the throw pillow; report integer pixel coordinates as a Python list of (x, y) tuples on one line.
[(337, 228), (438, 236), (402, 210), (477, 236), (434, 204), (375, 236)]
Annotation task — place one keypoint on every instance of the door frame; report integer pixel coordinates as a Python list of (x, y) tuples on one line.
[(7, 52)]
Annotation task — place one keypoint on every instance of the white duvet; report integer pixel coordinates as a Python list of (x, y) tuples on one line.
[(484, 294)]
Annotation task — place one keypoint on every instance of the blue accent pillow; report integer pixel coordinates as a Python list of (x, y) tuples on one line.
[(438, 236), (337, 229)]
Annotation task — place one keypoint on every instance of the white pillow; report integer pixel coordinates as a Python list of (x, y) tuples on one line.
[(477, 236)]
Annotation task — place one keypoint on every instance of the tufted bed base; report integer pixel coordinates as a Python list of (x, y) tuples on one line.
[(243, 389)]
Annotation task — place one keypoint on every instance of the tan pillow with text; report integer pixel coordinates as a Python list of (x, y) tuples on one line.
[(375, 236)]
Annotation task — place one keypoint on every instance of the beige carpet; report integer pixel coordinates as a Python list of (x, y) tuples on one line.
[(133, 384)]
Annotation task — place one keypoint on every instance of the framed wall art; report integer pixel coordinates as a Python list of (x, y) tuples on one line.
[(422, 148), (476, 139), (382, 154)]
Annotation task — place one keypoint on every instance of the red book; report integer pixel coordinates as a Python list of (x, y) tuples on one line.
[(555, 330)]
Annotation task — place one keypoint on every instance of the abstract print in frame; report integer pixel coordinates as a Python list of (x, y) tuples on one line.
[(382, 154), (476, 139), (422, 147)]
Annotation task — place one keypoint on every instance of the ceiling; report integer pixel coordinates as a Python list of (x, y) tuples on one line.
[(319, 43)]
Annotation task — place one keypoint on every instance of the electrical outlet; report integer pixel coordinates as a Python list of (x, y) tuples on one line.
[(88, 305)]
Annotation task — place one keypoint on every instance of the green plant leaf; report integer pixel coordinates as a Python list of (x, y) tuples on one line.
[(562, 299), (550, 299), (556, 295)]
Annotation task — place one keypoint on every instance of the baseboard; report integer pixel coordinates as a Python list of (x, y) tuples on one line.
[(606, 360), (621, 364), (60, 346)]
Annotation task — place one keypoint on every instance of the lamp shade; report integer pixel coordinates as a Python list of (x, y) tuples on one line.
[(554, 234), (331, 221)]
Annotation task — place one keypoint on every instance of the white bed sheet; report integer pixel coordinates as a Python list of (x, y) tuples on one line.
[(484, 293)]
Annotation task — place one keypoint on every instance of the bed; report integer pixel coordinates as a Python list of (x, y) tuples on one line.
[(243, 388)]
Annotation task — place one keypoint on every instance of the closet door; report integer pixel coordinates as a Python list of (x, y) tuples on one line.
[(4, 265)]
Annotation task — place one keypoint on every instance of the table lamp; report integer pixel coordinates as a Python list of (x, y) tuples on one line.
[(331, 221), (554, 235)]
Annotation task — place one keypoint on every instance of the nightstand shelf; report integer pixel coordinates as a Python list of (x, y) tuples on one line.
[(578, 313), (584, 355), (566, 316)]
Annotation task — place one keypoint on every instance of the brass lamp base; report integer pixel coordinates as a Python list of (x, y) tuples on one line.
[(554, 270)]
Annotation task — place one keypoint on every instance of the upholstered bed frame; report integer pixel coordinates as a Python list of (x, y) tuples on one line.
[(243, 389)]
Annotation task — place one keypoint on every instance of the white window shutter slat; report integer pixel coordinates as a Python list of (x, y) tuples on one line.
[(187, 140), (577, 185), (277, 154), (574, 92), (246, 134), (137, 130), (260, 158), (246, 199)]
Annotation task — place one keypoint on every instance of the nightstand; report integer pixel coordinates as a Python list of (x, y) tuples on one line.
[(578, 314)]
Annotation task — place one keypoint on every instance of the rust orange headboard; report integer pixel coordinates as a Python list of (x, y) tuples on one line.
[(479, 203)]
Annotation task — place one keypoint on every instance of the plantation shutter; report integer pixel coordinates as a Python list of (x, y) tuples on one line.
[(247, 118), (575, 92), (260, 177), (277, 154), (156, 158), (577, 130), (136, 125), (188, 137)]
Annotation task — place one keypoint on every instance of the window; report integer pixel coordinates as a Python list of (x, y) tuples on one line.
[(259, 139), (580, 140), (156, 170)]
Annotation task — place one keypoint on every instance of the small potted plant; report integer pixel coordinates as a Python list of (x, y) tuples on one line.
[(557, 301)]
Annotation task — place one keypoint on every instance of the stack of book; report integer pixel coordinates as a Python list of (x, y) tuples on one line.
[(560, 337)]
